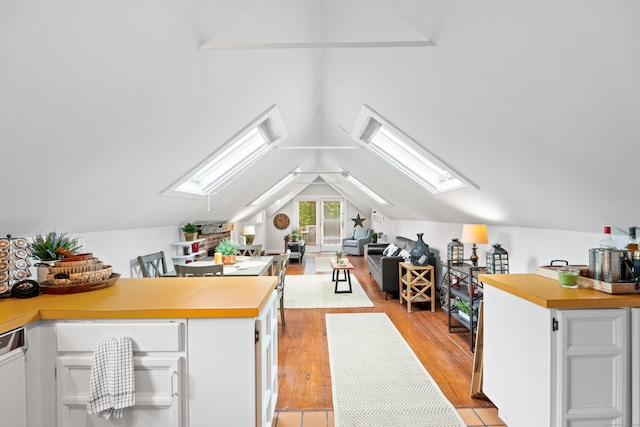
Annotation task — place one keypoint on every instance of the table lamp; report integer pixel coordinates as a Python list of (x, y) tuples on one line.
[(249, 233), (474, 233)]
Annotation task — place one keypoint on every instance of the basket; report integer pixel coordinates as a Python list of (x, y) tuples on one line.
[(76, 269), (81, 278)]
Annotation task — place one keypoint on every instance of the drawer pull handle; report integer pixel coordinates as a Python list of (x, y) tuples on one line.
[(174, 383)]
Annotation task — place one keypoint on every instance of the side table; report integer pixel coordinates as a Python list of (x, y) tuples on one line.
[(416, 284)]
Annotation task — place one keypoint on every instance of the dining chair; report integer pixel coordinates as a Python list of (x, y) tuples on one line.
[(153, 265), (250, 250), (281, 269), (187, 270)]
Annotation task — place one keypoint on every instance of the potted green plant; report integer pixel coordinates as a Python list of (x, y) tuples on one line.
[(294, 235), (464, 309), (190, 231), (339, 257), (228, 251), (45, 247), (374, 237)]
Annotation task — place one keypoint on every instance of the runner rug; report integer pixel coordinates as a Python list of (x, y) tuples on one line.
[(317, 291), (376, 378), (323, 265)]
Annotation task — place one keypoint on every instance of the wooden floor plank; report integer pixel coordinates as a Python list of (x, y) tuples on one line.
[(304, 371)]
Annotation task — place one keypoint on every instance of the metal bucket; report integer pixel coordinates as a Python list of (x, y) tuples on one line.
[(610, 265)]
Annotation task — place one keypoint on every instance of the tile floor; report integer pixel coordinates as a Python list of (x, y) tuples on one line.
[(473, 417)]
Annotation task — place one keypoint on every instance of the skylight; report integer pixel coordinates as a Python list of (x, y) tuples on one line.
[(365, 189), (248, 145), (387, 141), (277, 187)]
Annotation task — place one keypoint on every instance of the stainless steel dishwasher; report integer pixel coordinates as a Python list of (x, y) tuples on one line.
[(13, 398)]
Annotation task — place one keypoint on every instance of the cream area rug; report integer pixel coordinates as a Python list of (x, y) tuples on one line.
[(317, 291), (323, 265), (377, 379)]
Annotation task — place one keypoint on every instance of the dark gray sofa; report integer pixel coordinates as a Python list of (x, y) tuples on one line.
[(384, 269)]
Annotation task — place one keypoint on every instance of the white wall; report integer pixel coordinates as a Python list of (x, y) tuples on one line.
[(120, 248), (528, 247)]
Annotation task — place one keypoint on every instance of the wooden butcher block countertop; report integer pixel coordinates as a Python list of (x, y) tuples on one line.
[(548, 293), (148, 298)]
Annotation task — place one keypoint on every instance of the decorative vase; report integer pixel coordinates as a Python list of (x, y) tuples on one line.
[(189, 237), (228, 259), (420, 252)]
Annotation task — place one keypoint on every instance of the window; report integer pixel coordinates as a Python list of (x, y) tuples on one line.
[(387, 141), (217, 170)]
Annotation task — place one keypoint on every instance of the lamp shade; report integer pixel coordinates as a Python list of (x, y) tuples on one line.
[(249, 230), (474, 233)]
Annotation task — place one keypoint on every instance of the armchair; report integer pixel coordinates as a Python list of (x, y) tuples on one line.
[(354, 244)]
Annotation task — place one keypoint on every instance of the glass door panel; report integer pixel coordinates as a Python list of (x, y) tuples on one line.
[(331, 224), (307, 220), (320, 223)]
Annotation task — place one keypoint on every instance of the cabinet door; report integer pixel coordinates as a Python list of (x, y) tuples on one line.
[(592, 382), (267, 364), (157, 382), (635, 366), (159, 358), (13, 389)]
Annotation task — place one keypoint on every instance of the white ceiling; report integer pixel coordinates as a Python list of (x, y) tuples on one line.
[(105, 104)]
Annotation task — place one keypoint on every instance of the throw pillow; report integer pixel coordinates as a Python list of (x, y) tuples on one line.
[(390, 250), (406, 255)]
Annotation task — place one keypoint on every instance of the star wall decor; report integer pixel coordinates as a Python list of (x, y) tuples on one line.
[(357, 221)]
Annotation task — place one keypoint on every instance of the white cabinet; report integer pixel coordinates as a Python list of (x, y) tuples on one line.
[(187, 250), (233, 369), (13, 395), (635, 366), (548, 367), (159, 358)]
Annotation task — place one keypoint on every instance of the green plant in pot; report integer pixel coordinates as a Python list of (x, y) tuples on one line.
[(464, 307), (228, 251), (339, 257), (294, 235), (45, 247), (190, 231), (374, 237)]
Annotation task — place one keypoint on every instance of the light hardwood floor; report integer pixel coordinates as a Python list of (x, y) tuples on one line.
[(304, 375)]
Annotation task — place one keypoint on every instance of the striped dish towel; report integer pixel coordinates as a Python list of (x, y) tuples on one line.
[(112, 382)]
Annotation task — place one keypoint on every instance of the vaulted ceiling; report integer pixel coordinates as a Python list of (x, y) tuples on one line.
[(105, 104)]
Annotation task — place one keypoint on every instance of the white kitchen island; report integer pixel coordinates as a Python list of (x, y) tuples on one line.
[(559, 357), (205, 351)]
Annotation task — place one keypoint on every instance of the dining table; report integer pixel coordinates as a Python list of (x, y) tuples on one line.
[(244, 266)]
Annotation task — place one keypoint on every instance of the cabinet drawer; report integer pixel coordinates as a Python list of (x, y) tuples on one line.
[(147, 336)]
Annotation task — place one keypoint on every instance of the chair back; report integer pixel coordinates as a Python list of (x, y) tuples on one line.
[(187, 270), (250, 250), (153, 265), (281, 268)]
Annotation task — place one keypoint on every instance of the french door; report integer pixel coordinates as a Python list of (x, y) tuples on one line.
[(321, 223)]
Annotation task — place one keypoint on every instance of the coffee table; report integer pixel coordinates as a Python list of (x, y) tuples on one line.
[(346, 268)]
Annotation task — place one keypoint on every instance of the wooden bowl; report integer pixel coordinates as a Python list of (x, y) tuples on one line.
[(77, 257)]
